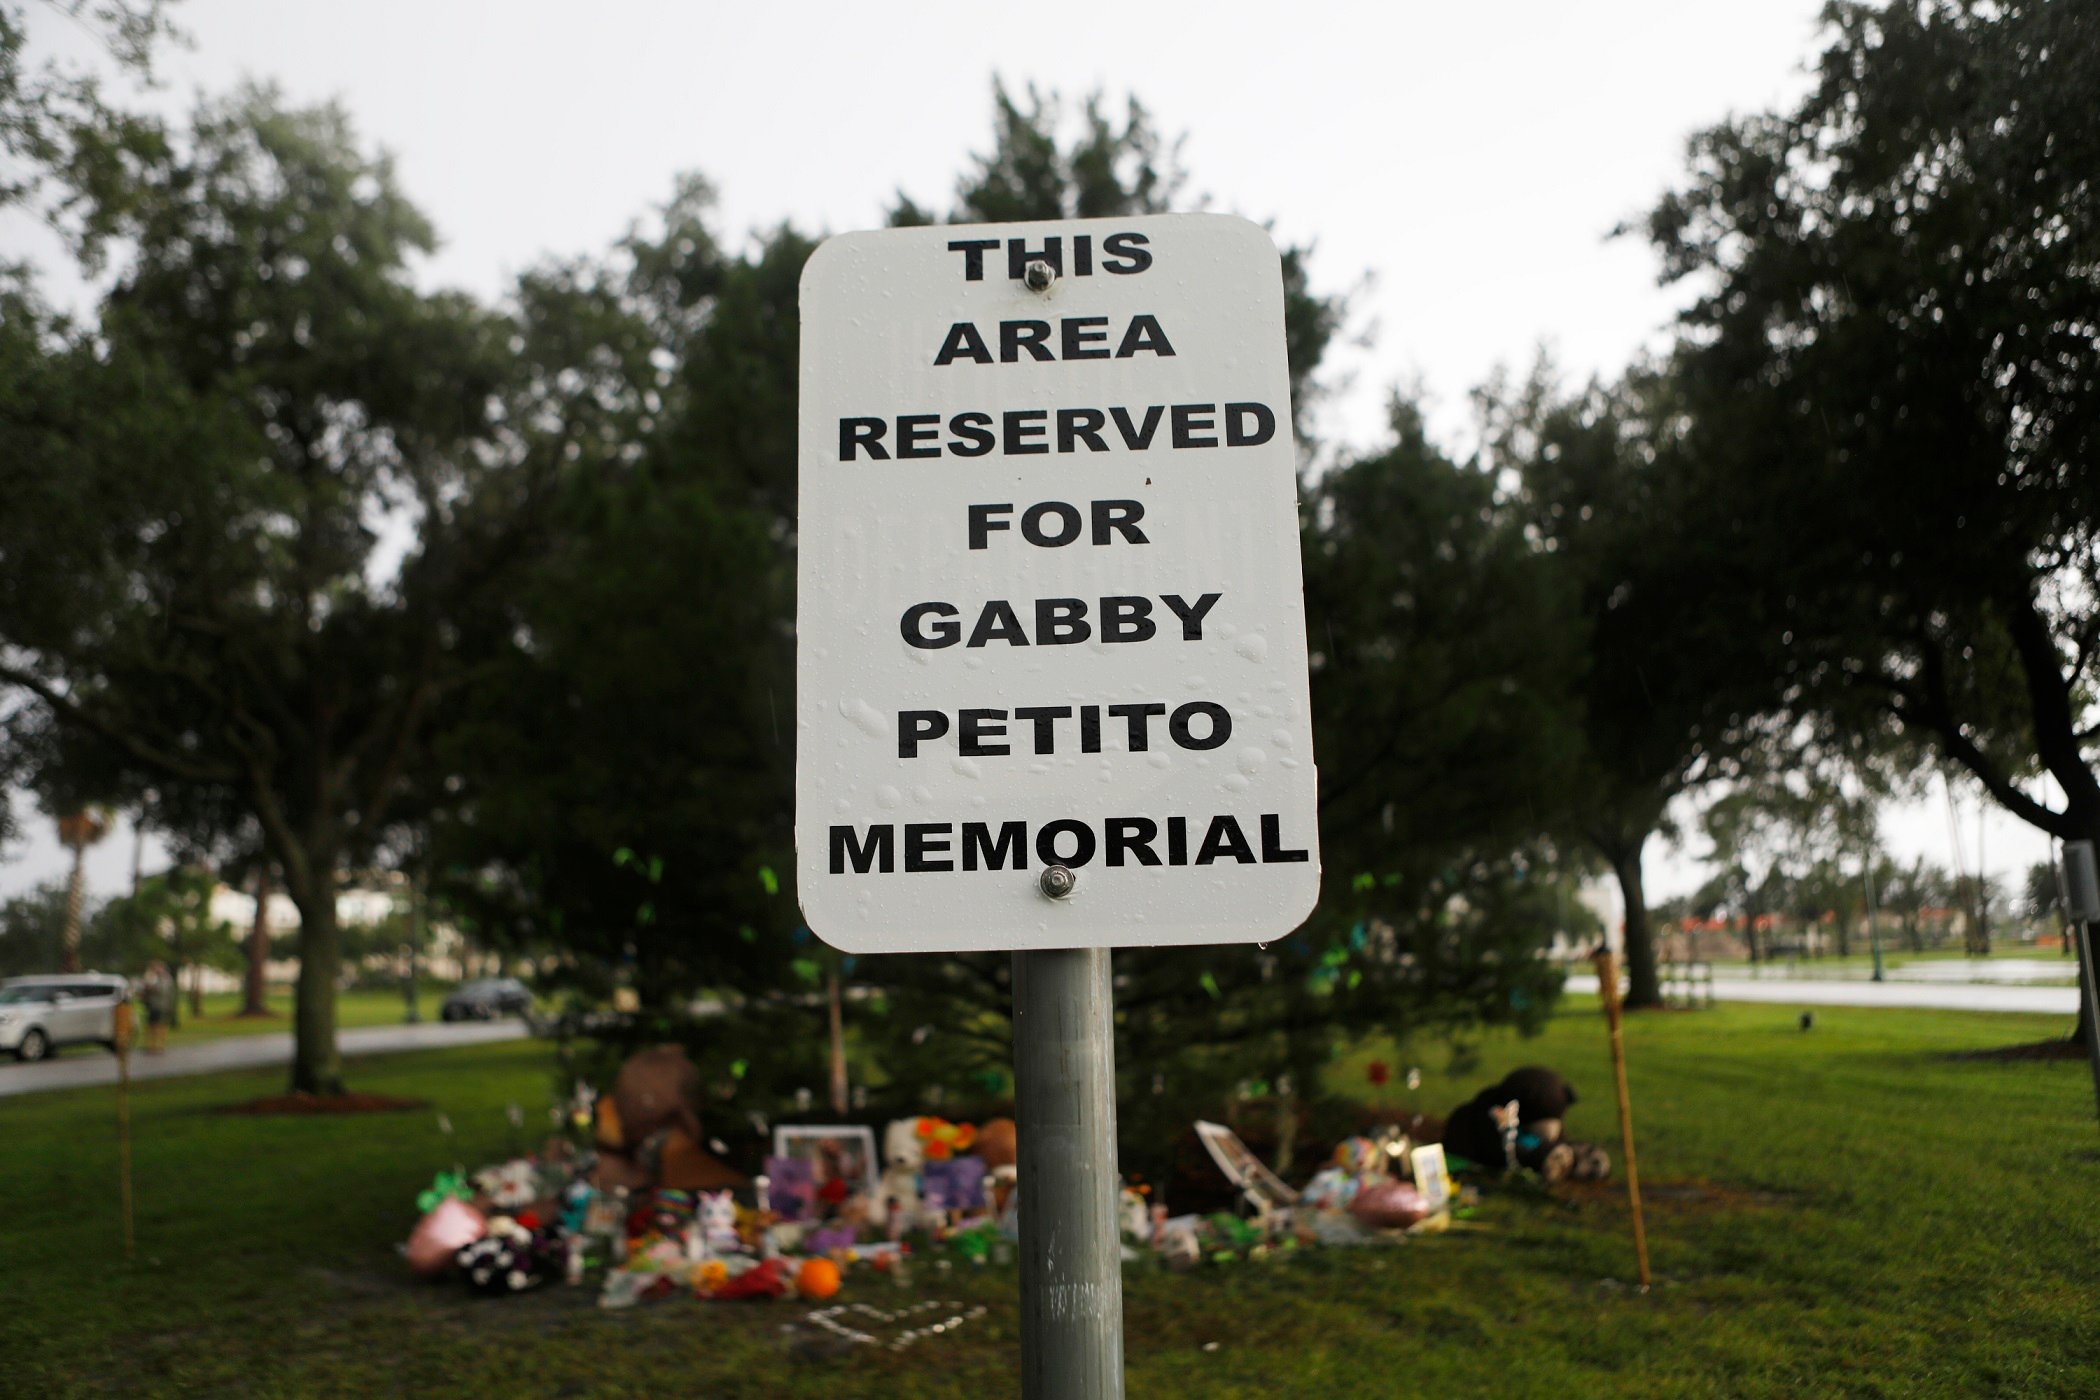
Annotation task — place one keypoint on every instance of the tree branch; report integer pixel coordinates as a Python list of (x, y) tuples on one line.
[(72, 711), (1935, 711), (2049, 698)]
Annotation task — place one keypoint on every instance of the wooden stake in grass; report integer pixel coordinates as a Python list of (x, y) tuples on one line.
[(1608, 989), (123, 1038)]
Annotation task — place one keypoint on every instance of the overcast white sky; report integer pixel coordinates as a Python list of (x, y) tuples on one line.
[(1470, 159)]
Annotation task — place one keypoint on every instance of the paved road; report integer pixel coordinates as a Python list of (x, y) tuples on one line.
[(1942, 996), (78, 1069)]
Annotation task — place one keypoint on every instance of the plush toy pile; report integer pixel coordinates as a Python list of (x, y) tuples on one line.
[(1515, 1125), (645, 1211), (642, 1210), (1375, 1189)]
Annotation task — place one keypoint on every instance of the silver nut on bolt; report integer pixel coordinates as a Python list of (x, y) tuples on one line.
[(1038, 276), (1058, 882)]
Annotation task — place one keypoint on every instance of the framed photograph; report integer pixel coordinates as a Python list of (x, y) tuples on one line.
[(1242, 1168), (841, 1162), (954, 1185), (1432, 1176)]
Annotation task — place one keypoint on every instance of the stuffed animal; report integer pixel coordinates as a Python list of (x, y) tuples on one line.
[(896, 1203), (1359, 1157), (1474, 1131), (1540, 1093), (942, 1140), (1331, 1188), (515, 1254), (655, 1097), (764, 1280), (1357, 1162), (1517, 1123), (1179, 1246), (953, 1188), (511, 1185), (998, 1144), (1134, 1214), (717, 1218)]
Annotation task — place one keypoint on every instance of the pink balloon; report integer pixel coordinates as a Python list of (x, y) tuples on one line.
[(449, 1228), (1389, 1205)]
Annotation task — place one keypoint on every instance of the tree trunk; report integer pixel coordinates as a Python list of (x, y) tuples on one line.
[(317, 1065), (1644, 982), (2074, 929), (411, 1013), (196, 991), (838, 1046), (76, 896), (253, 991)]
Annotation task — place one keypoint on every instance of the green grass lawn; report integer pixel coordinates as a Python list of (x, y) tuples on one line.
[(357, 1007), (1894, 1222)]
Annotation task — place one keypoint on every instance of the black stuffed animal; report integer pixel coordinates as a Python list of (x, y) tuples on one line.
[(1476, 1129), (1540, 1093)]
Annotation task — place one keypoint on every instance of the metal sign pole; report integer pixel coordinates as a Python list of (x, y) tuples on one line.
[(2083, 934), (2081, 884), (1071, 1256)]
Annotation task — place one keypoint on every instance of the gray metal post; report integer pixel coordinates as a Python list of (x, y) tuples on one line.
[(2082, 905), (1071, 1253), (2086, 1002)]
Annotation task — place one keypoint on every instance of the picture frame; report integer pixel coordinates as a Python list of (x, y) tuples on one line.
[(1242, 1168), (1432, 1176), (844, 1151)]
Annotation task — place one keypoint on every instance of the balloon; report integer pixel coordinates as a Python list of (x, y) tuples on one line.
[(817, 1279), (1389, 1205), (450, 1226)]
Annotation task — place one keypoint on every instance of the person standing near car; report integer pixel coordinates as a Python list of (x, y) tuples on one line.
[(158, 992)]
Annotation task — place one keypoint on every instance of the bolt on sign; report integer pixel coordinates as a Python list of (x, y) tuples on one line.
[(1051, 611)]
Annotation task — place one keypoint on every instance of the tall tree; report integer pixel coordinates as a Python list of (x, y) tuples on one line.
[(1911, 892), (49, 107), (32, 929), (1661, 692), (1889, 366), (1434, 640), (256, 524), (170, 918), (619, 780), (77, 830)]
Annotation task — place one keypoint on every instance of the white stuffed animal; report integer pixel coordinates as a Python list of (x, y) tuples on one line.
[(896, 1203)]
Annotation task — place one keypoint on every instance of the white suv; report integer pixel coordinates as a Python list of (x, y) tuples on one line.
[(39, 1014)]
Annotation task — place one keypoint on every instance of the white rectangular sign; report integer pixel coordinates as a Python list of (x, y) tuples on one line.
[(1050, 610)]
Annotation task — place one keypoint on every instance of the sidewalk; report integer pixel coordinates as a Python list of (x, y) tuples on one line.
[(81, 1069), (1934, 996)]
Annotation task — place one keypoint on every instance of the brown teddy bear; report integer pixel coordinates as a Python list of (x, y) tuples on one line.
[(648, 1128)]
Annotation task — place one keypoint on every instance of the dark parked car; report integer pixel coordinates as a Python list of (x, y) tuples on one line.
[(486, 1000)]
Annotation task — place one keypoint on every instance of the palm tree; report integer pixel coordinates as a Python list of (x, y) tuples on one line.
[(78, 830)]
